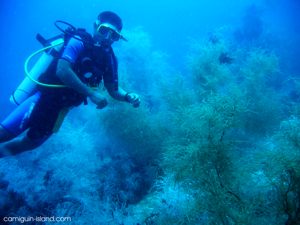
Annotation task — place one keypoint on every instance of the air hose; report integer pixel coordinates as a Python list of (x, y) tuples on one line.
[(69, 30), (28, 73)]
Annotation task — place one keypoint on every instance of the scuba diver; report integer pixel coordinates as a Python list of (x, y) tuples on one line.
[(82, 64)]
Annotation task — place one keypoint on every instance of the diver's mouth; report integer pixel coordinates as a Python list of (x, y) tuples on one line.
[(102, 42), (106, 42)]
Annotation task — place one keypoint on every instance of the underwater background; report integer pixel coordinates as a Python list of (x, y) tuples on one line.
[(216, 139)]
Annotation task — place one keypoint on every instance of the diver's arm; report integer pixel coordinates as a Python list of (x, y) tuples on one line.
[(65, 73), (69, 78), (119, 94), (122, 95), (64, 70)]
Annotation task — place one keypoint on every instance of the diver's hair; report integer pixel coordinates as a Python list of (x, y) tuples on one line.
[(110, 17)]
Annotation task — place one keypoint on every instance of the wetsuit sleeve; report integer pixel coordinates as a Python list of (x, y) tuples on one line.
[(72, 50)]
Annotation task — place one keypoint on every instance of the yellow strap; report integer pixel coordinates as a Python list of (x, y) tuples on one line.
[(34, 80), (61, 116)]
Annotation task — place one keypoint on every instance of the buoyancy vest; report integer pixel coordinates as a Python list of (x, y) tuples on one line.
[(94, 64)]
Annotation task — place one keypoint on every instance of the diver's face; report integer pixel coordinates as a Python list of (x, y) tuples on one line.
[(105, 35)]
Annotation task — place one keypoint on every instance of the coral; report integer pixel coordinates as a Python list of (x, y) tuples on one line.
[(235, 106), (285, 153), (135, 59), (259, 66), (265, 109), (207, 71), (202, 154), (122, 182), (137, 131)]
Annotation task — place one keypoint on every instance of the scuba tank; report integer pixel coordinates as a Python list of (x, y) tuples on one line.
[(28, 86), (50, 51)]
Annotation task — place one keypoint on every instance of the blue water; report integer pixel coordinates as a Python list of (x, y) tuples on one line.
[(117, 182)]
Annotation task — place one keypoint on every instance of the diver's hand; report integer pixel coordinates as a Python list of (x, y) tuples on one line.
[(98, 99), (133, 99)]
